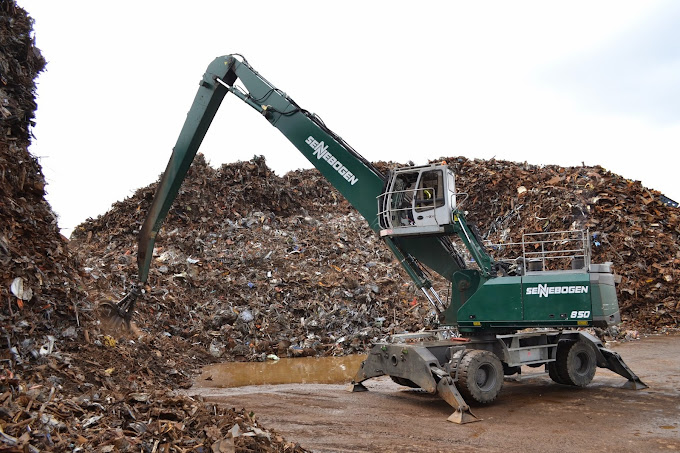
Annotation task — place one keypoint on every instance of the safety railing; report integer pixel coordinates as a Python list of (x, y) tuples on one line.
[(545, 251)]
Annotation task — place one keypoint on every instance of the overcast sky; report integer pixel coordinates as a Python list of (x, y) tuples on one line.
[(594, 82)]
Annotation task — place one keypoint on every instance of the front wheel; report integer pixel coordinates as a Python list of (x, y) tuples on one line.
[(480, 377)]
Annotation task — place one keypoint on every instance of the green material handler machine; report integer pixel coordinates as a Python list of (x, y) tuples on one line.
[(506, 314)]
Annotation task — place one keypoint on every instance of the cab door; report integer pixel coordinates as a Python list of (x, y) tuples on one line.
[(429, 200)]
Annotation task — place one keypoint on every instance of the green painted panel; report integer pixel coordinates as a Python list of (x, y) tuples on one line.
[(605, 302), (549, 296), (499, 299)]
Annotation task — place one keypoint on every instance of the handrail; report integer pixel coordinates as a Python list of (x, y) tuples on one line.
[(550, 247)]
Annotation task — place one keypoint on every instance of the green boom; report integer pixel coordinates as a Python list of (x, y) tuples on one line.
[(352, 175)]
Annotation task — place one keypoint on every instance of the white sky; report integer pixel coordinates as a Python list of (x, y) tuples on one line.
[(542, 82)]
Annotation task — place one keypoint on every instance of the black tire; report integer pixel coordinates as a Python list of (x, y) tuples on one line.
[(554, 374), (576, 363), (553, 371), (480, 377), (405, 382)]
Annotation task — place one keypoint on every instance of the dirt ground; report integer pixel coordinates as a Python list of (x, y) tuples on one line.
[(532, 415)]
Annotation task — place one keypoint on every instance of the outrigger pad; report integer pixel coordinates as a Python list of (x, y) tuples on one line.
[(357, 387), (447, 390), (461, 417), (636, 384)]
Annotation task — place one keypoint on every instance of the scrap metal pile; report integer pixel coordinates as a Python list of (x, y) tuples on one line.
[(250, 264), (64, 384)]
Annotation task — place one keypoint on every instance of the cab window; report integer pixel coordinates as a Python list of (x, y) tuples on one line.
[(430, 192)]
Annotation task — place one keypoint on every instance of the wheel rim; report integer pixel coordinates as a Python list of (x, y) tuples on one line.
[(581, 363), (485, 377)]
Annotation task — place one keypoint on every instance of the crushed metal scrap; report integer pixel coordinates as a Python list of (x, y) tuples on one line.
[(243, 269), (64, 384), (250, 264)]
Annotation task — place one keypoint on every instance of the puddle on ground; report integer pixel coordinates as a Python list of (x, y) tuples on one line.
[(304, 370)]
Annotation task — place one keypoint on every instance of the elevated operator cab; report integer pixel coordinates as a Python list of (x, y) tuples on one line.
[(418, 200)]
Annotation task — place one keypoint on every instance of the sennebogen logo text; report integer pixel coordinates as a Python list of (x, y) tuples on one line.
[(321, 152), (546, 291)]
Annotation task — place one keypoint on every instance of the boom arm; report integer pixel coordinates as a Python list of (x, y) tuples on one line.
[(352, 175)]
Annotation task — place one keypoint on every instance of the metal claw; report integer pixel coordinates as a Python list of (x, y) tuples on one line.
[(122, 310)]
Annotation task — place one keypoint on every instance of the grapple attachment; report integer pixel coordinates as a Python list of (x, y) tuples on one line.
[(121, 312)]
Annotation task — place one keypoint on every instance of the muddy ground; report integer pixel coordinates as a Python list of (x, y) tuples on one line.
[(533, 415)]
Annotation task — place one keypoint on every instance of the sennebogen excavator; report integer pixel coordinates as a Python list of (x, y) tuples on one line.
[(504, 314)]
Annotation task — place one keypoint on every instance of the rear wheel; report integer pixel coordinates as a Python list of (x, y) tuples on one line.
[(480, 377), (576, 363), (554, 374)]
